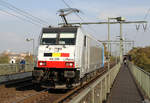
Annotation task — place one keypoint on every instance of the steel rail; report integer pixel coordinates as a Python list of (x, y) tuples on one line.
[(99, 93), (79, 89)]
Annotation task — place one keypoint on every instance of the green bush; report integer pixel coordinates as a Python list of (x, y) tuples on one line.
[(141, 57), (4, 59)]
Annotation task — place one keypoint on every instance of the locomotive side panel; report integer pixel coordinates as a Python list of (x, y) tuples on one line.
[(91, 53), (80, 53), (95, 55)]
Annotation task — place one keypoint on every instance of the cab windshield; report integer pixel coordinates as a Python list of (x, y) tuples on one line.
[(67, 39), (49, 39), (58, 39)]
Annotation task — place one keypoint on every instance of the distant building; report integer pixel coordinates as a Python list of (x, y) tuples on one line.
[(12, 61), (15, 56)]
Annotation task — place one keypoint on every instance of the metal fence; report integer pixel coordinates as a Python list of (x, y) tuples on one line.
[(97, 91), (142, 77), (6, 69)]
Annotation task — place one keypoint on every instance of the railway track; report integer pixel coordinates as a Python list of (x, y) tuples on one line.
[(58, 95), (66, 98), (12, 90), (25, 93), (74, 92)]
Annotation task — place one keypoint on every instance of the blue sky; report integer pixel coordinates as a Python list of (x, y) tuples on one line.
[(14, 31)]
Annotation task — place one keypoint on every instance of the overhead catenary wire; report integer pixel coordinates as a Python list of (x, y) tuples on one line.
[(19, 17), (146, 15), (78, 15), (70, 7), (145, 26), (23, 13)]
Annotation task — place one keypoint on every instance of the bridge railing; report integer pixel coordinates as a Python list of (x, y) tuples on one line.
[(142, 78), (6, 69), (97, 91)]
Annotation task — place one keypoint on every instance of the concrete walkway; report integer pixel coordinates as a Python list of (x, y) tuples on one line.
[(124, 89)]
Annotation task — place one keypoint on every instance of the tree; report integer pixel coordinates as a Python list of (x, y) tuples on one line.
[(141, 57)]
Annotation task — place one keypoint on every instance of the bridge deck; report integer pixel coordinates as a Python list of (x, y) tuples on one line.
[(124, 89)]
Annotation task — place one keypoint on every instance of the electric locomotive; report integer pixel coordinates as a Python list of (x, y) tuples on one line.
[(65, 56)]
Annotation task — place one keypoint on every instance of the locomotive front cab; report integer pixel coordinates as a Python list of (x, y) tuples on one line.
[(56, 56)]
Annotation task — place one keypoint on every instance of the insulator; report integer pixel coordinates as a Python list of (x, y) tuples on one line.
[(137, 27), (144, 27)]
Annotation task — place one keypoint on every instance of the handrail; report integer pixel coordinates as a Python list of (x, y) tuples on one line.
[(6, 69), (142, 70), (97, 91), (142, 78)]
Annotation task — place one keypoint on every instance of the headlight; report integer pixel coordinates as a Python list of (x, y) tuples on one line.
[(42, 63), (70, 64)]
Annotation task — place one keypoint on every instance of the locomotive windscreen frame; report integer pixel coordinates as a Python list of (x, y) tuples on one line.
[(58, 36)]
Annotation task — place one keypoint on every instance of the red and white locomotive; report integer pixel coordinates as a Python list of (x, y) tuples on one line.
[(66, 55)]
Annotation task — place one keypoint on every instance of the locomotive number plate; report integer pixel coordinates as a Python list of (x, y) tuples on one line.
[(53, 58)]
